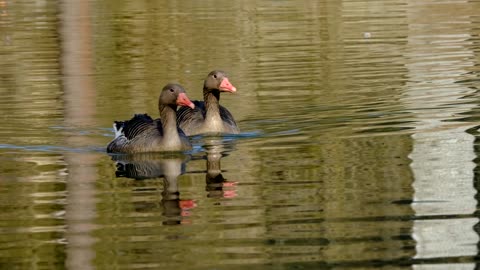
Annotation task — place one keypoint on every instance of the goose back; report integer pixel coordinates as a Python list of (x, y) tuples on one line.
[(144, 134), (192, 121)]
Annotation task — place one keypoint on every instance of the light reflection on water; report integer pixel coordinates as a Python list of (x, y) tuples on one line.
[(359, 144)]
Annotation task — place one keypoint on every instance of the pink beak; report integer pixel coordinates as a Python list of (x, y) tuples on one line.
[(227, 86), (182, 100)]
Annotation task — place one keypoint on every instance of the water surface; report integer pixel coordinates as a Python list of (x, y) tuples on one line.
[(359, 145)]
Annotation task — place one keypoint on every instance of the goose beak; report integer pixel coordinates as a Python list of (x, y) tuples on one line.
[(227, 86), (182, 100)]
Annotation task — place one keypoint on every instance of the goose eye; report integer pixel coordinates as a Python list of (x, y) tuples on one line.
[(215, 76), (171, 90)]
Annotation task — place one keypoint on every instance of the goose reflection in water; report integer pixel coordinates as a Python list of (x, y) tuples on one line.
[(216, 185), (143, 166), (147, 166)]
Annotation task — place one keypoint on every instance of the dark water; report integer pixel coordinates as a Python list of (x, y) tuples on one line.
[(359, 148)]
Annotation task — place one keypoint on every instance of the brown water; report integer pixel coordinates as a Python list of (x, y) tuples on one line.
[(359, 146)]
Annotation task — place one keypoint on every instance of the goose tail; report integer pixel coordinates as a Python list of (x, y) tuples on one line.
[(118, 128)]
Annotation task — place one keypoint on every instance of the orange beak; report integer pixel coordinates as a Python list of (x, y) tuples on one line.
[(226, 86), (182, 100)]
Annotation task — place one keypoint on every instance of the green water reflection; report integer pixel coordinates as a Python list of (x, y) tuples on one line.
[(359, 151)]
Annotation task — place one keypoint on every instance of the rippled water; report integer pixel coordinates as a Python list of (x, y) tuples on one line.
[(359, 145)]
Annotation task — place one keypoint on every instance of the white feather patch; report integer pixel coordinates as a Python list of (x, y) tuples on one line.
[(118, 132)]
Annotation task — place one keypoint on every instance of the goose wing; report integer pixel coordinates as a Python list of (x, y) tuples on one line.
[(137, 125), (189, 119), (227, 117)]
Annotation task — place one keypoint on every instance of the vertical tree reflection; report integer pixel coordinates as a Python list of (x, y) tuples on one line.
[(79, 110)]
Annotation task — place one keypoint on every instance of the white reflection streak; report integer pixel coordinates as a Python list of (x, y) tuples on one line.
[(443, 153), (79, 109)]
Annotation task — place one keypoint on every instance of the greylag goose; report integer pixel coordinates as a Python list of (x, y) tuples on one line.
[(144, 134), (209, 116)]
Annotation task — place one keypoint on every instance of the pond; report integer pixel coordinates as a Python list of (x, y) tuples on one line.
[(359, 144)]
